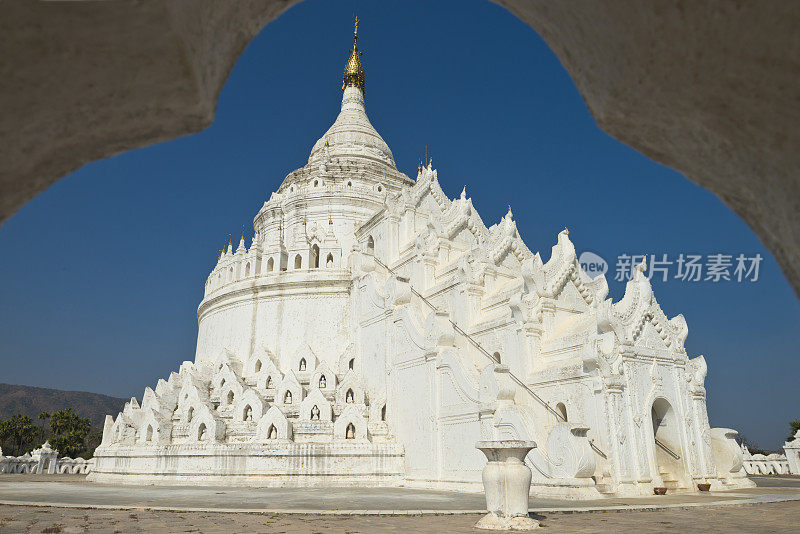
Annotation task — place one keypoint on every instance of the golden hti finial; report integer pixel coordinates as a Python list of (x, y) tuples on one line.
[(353, 71)]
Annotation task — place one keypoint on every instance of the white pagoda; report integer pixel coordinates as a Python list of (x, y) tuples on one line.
[(375, 329)]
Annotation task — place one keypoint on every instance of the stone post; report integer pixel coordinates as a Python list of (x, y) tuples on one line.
[(506, 483), (792, 450)]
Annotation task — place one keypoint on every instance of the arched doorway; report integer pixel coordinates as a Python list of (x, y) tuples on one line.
[(314, 260), (667, 449)]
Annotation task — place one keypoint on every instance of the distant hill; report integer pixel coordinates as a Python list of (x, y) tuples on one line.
[(32, 401)]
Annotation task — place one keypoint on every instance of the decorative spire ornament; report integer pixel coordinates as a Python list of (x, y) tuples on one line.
[(353, 71)]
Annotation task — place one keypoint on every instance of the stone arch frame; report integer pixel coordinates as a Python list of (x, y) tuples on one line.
[(123, 431), (291, 384), (313, 256), (189, 397), (249, 398), (304, 353), (298, 261), (273, 417), (268, 381), (262, 355), (330, 261), (348, 355), (378, 411), (156, 428), (350, 415), (222, 372), (350, 382), (371, 245), (230, 387), (650, 432), (247, 269), (316, 398), (271, 264), (215, 428), (330, 379)]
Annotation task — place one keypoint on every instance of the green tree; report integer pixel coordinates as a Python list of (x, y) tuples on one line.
[(18, 431), (69, 431), (794, 426)]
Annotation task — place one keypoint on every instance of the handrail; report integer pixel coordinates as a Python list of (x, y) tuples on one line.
[(669, 451), (519, 382)]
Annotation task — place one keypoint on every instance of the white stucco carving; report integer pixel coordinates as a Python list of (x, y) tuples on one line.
[(375, 329)]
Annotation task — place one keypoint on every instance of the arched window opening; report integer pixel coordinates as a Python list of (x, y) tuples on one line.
[(230, 397), (315, 413), (272, 433), (269, 382), (222, 382), (287, 399), (349, 397), (496, 357), (302, 366), (270, 265), (247, 413), (351, 364), (316, 183), (329, 261), (230, 273), (383, 413), (370, 245), (562, 411), (351, 431), (149, 436), (258, 366), (201, 432), (380, 189), (323, 383), (298, 261), (190, 415), (314, 260), (247, 270)]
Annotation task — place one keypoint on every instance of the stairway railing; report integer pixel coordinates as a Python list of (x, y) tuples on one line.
[(485, 352), (666, 449)]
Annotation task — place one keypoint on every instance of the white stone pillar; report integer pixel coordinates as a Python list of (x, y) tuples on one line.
[(792, 450), (506, 483)]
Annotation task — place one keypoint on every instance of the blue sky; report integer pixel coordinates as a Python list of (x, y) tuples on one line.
[(103, 272)]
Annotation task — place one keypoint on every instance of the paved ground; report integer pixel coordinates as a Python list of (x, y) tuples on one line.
[(76, 491), (774, 506), (763, 518)]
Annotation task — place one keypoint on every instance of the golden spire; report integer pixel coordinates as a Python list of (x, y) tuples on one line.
[(353, 71)]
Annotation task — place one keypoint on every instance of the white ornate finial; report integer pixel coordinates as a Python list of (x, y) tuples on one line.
[(509, 215), (642, 266), (566, 230), (464, 193)]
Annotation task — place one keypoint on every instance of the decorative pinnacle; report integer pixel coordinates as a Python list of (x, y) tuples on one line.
[(353, 71)]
